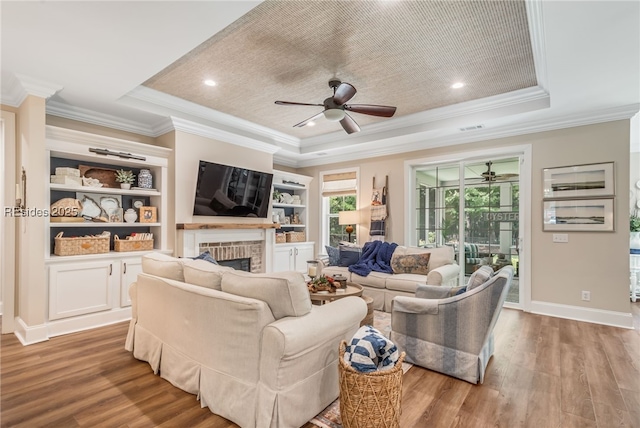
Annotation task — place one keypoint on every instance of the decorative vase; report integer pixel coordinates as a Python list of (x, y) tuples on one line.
[(145, 179), (634, 242), (130, 216), (125, 186)]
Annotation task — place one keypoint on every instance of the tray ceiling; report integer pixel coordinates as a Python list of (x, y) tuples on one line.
[(404, 54)]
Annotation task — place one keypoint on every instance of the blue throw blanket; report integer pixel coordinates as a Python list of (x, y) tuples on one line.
[(376, 256)]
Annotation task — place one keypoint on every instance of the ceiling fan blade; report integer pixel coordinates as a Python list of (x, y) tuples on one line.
[(370, 109), (289, 103), (349, 124), (344, 93), (506, 176), (304, 122)]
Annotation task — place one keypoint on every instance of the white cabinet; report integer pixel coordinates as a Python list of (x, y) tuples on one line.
[(80, 288), (293, 257), (129, 270)]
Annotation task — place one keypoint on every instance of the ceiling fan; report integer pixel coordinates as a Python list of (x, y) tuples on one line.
[(334, 107), (490, 176)]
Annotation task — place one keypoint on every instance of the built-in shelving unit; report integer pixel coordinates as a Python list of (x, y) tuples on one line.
[(292, 249), (88, 290)]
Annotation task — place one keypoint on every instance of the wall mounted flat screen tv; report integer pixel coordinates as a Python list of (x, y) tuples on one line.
[(224, 190)]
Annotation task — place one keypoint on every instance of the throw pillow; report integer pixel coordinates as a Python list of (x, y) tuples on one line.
[(334, 255), (479, 277), (164, 266), (206, 256), (286, 293), (410, 263), (349, 255), (205, 274)]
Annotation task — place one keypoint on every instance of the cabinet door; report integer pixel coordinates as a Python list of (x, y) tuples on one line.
[(282, 258), (303, 253), (80, 288), (129, 270)]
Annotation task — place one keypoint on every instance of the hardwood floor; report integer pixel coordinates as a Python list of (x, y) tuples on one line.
[(546, 372)]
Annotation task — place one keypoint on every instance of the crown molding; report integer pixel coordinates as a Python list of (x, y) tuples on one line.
[(56, 108), (152, 100), (453, 116), (194, 128), (423, 141), (536, 33), (19, 86)]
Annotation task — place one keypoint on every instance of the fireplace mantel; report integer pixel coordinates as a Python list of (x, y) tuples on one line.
[(200, 226), (190, 236)]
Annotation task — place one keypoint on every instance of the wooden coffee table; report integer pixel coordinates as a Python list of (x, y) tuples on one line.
[(322, 298)]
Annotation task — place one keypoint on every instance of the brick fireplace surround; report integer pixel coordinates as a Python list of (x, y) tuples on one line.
[(229, 242)]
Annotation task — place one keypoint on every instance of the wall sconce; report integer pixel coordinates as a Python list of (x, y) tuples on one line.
[(348, 218), (21, 191)]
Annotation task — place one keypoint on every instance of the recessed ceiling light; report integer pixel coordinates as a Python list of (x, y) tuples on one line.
[(210, 82), (457, 85)]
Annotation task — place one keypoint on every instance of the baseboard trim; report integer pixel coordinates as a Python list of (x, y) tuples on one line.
[(577, 313), (87, 322), (28, 335)]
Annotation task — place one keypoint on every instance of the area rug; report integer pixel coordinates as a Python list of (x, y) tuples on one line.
[(330, 417)]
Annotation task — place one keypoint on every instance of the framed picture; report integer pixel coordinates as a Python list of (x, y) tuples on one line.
[(585, 181), (115, 215), (578, 215), (148, 215)]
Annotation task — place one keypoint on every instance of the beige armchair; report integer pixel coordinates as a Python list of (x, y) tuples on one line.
[(451, 335)]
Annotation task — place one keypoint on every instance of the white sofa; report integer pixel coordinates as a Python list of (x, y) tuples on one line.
[(383, 287), (251, 346)]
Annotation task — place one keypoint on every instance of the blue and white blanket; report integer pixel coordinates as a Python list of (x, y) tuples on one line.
[(370, 351)]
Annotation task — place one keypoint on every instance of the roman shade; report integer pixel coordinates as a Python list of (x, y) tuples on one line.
[(339, 184)]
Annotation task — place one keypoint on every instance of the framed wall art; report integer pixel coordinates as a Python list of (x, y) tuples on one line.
[(148, 215), (579, 181), (578, 215)]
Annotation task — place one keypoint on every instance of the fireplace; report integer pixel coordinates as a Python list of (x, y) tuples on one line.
[(228, 242), (238, 264)]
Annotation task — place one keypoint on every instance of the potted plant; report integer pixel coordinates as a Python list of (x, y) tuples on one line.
[(125, 178), (634, 228)]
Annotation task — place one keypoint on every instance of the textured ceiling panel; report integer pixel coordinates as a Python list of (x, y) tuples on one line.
[(400, 53)]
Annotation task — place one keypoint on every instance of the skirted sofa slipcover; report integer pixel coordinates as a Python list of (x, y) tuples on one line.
[(250, 346)]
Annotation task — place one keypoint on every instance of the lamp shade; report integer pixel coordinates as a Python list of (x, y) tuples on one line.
[(348, 217), (334, 114)]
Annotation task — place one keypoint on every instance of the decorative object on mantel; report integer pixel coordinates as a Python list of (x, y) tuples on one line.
[(91, 182), (125, 178)]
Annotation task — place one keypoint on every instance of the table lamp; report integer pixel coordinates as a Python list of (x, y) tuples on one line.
[(348, 218)]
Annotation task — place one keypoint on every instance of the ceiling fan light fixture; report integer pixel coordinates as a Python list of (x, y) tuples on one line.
[(458, 85), (334, 114)]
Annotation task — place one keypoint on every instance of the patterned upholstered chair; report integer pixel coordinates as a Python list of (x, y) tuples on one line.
[(452, 335), (472, 257)]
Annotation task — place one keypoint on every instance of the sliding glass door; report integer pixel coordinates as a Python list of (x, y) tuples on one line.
[(483, 226)]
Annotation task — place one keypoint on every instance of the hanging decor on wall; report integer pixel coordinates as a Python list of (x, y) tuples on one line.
[(377, 231)]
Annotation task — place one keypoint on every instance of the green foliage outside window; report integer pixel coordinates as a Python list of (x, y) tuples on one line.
[(336, 231)]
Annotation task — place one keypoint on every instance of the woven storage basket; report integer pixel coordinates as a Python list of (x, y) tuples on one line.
[(295, 236), (123, 245), (369, 400), (80, 245), (281, 238)]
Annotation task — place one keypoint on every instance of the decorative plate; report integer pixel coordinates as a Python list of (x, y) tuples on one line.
[(286, 198), (108, 203), (90, 208)]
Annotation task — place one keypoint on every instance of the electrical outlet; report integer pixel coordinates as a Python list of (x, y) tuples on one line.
[(586, 296), (560, 237)]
